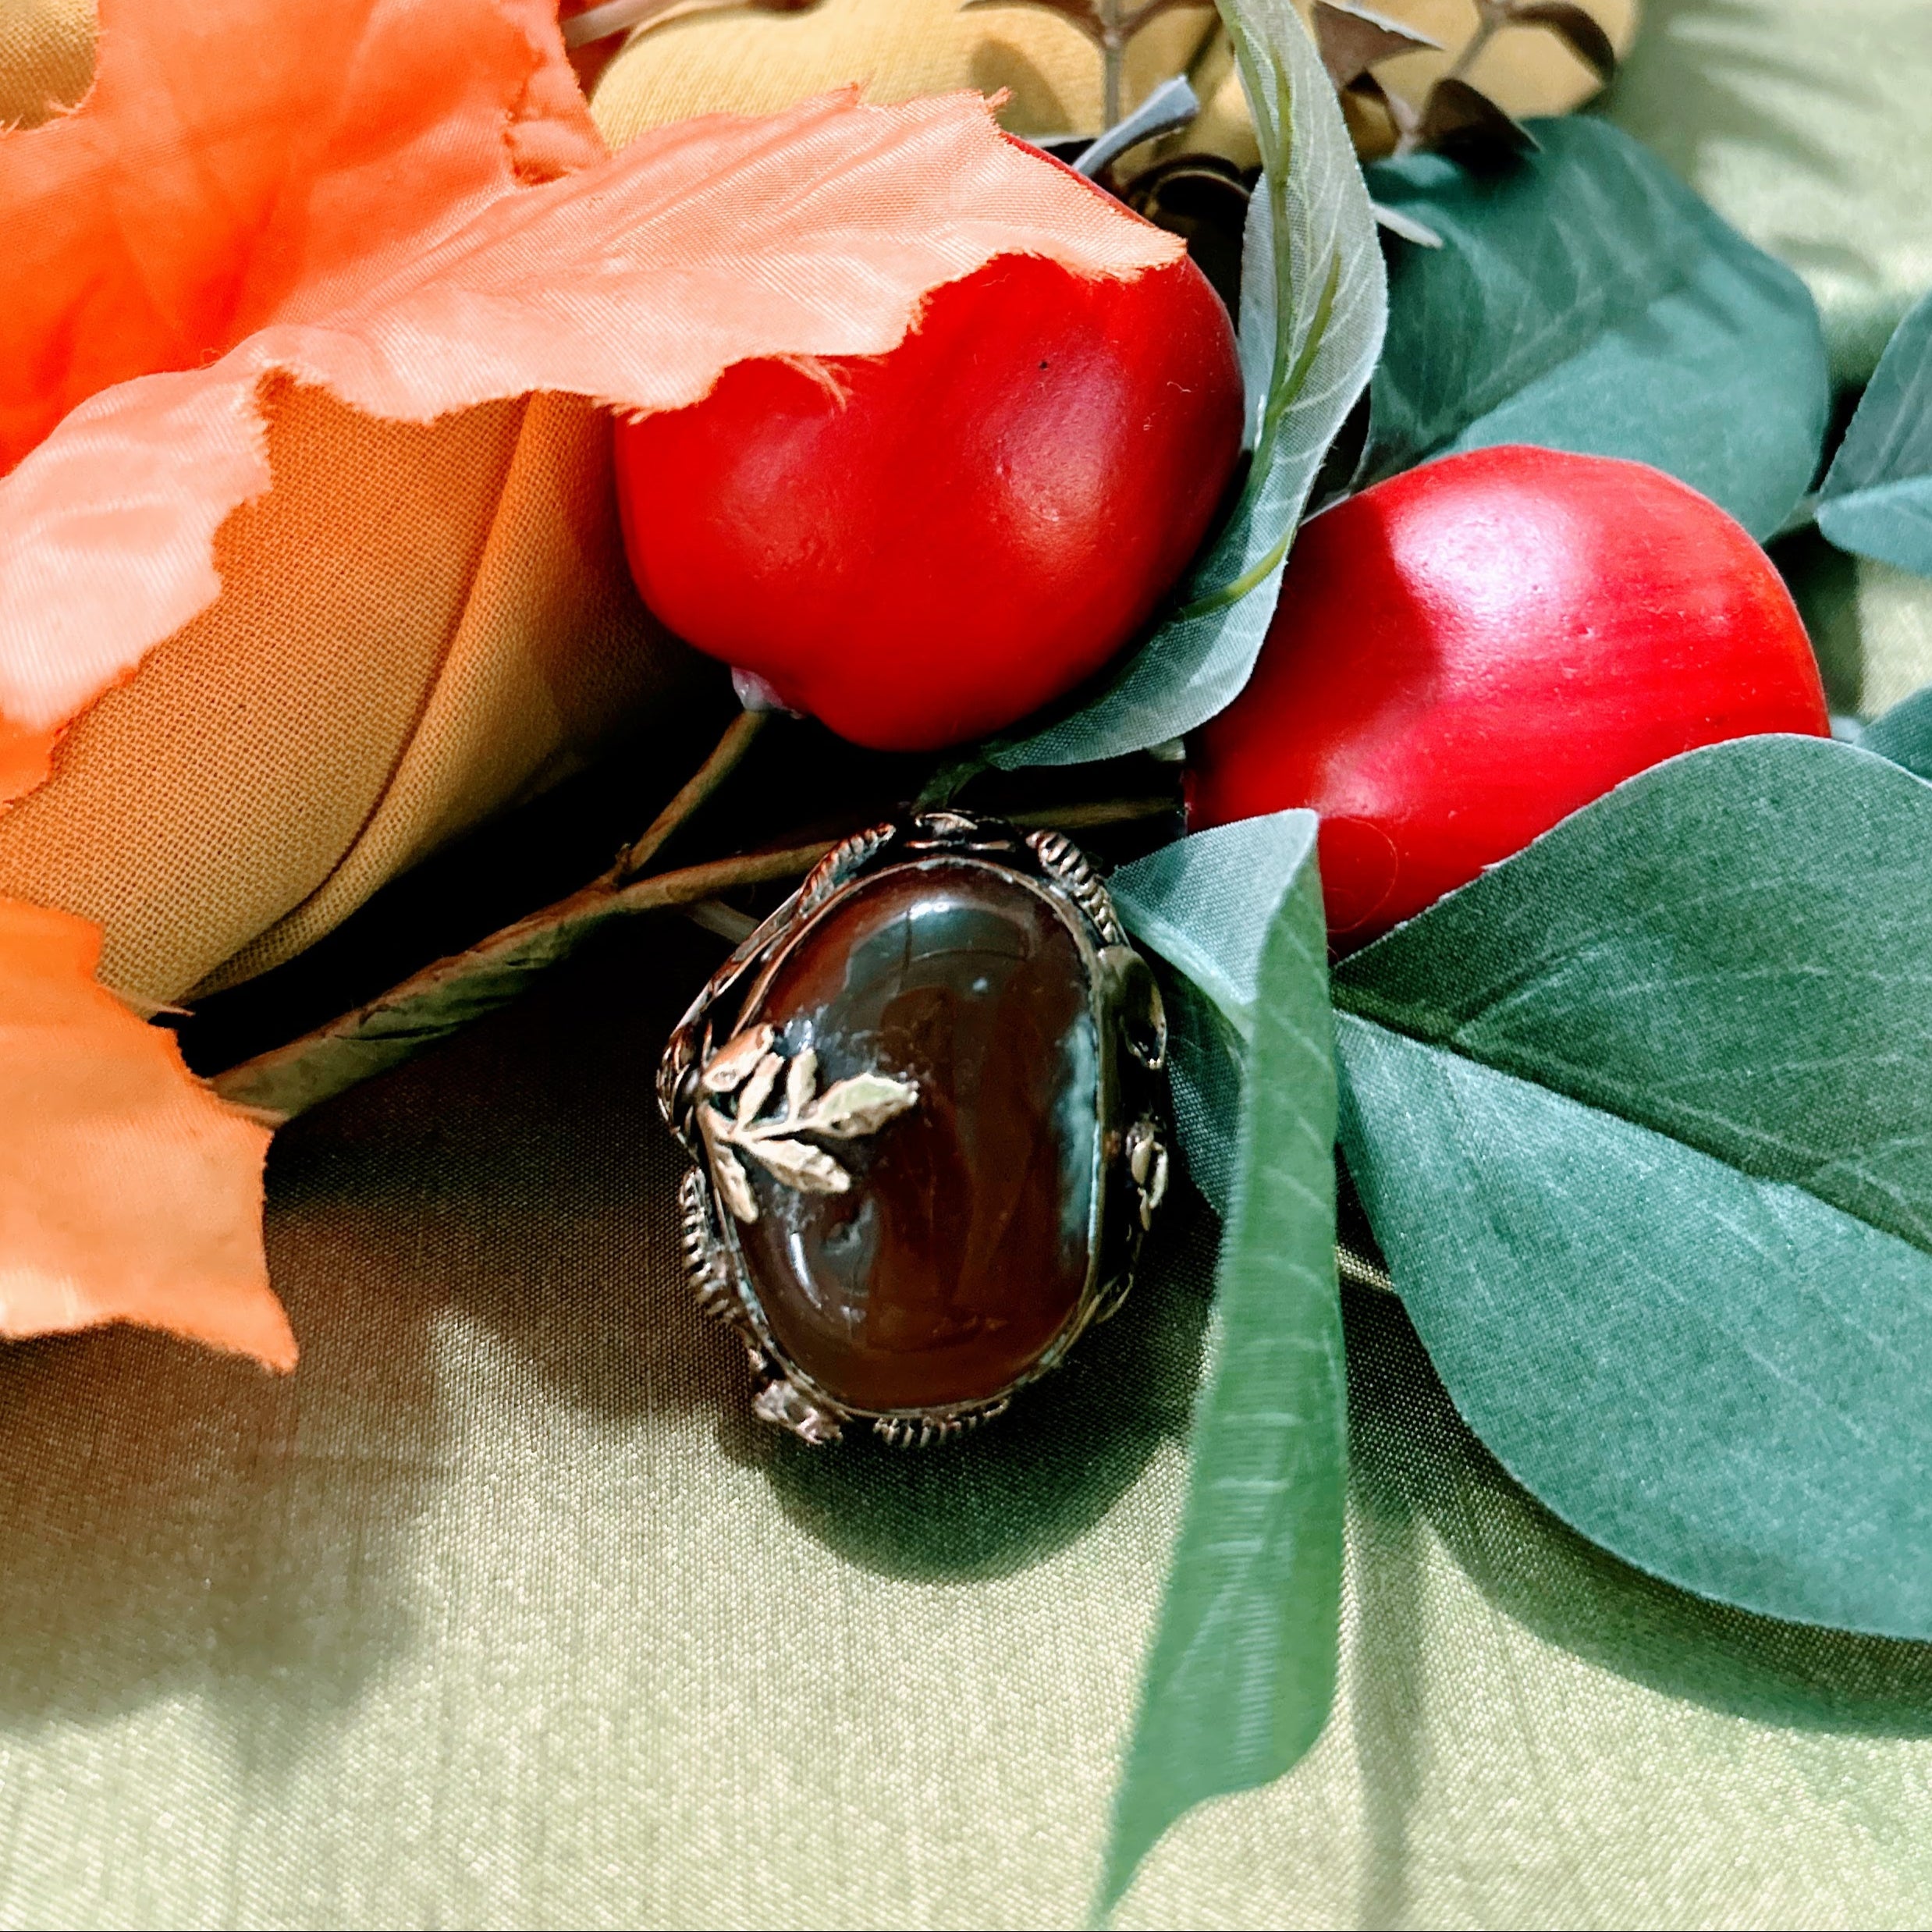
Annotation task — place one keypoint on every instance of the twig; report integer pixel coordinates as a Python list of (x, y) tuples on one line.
[(1360, 1270), (727, 922), (1174, 103), (1493, 16), (447, 995), (726, 756)]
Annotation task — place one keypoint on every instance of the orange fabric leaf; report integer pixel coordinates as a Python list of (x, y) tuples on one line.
[(336, 189), (129, 1192)]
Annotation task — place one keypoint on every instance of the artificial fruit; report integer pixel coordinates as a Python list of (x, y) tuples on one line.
[(1468, 652), (922, 547)]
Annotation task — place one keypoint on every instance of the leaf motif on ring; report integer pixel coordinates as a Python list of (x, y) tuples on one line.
[(747, 1066)]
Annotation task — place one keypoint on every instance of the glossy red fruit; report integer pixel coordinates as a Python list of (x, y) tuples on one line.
[(1468, 652), (927, 546)]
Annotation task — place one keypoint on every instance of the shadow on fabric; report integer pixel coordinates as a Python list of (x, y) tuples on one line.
[(179, 1523), (1031, 1481), (1414, 1461), (183, 1524)]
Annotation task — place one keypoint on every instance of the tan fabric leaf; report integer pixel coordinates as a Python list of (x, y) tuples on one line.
[(419, 623), (46, 58), (743, 62)]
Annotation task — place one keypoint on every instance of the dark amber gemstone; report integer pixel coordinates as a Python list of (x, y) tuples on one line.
[(959, 1251), (925, 1099)]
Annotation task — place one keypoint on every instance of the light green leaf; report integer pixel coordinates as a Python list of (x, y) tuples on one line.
[(1311, 329), (1204, 904), (1643, 1118), (1876, 499), (1585, 299), (1242, 1669)]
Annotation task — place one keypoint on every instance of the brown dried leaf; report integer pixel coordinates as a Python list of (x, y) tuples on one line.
[(1582, 34), (861, 1105), (736, 1058), (1352, 39), (1466, 125), (808, 1169)]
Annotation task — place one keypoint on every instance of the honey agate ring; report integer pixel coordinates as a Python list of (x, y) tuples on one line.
[(926, 1101)]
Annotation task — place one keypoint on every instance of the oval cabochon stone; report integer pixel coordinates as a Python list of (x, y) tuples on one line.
[(960, 1252)]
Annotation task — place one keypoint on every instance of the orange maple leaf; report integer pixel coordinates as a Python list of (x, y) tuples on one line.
[(128, 1191), (340, 189), (403, 202)]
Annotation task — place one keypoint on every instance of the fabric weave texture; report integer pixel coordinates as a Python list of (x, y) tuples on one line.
[(503, 1611)]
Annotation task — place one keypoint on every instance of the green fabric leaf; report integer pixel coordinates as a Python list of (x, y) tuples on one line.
[(1242, 1670), (1311, 329), (1204, 905), (1876, 499), (1586, 301), (1904, 734), (1643, 1118)]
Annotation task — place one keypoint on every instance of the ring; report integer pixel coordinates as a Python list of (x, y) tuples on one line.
[(926, 1102)]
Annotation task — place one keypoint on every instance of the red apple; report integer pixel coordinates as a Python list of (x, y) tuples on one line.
[(1468, 652), (921, 547)]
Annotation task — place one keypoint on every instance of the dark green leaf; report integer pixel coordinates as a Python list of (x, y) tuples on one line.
[(1311, 328), (1242, 1670), (1204, 905), (1587, 300), (1904, 734), (1877, 496), (1643, 1118)]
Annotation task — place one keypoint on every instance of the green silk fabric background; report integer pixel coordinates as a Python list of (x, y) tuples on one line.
[(1804, 123), (503, 1611)]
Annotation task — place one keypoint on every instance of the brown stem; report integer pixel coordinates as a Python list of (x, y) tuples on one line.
[(1493, 17), (1112, 59), (726, 755), (450, 993)]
